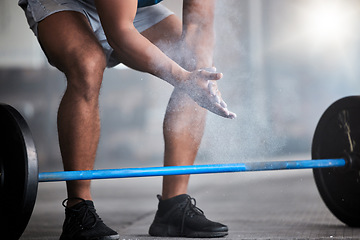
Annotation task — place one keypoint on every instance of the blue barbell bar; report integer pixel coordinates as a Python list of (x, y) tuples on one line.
[(193, 169)]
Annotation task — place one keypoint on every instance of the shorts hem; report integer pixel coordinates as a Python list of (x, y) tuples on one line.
[(35, 23)]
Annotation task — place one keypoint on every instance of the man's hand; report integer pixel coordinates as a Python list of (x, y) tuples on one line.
[(201, 86)]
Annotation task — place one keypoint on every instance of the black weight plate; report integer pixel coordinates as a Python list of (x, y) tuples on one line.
[(338, 134), (19, 173)]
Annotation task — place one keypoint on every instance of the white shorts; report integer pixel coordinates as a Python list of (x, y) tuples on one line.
[(37, 10)]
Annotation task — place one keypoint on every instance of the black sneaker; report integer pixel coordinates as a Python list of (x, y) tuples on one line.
[(83, 223), (179, 217)]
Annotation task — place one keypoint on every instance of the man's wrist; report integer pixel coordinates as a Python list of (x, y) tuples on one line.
[(179, 77), (194, 63)]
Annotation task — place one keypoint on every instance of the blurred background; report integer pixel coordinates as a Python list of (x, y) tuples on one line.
[(284, 63)]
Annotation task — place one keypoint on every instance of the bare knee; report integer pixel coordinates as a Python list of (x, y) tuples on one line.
[(76, 51), (84, 74), (183, 114)]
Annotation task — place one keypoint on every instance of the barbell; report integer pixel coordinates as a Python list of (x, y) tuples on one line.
[(335, 163)]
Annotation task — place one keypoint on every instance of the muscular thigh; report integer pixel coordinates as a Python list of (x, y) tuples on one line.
[(165, 34), (67, 39)]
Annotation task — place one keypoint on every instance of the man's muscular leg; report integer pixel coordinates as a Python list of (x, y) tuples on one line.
[(184, 120), (71, 46), (183, 130)]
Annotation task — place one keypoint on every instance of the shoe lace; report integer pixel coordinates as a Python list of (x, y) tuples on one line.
[(85, 215), (191, 210)]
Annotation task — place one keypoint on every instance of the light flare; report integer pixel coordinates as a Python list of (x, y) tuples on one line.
[(329, 22)]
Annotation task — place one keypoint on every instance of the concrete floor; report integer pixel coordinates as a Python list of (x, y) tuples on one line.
[(255, 205)]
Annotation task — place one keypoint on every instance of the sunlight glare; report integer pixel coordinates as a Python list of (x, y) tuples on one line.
[(329, 21)]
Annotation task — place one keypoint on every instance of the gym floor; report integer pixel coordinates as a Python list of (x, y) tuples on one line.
[(255, 205)]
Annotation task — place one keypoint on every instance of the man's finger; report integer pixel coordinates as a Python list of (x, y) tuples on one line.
[(212, 88), (221, 111), (223, 104), (232, 115), (210, 76)]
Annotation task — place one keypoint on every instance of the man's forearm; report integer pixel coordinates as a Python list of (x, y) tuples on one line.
[(131, 47), (140, 54)]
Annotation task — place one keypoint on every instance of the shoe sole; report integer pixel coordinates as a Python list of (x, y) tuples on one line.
[(113, 237), (163, 230)]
